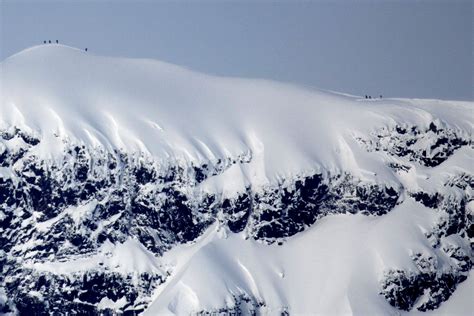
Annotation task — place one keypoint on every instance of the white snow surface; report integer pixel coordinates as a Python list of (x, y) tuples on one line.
[(333, 268), (170, 112)]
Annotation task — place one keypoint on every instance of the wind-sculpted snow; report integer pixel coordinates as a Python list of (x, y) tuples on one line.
[(165, 191)]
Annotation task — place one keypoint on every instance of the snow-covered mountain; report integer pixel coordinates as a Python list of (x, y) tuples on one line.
[(136, 186)]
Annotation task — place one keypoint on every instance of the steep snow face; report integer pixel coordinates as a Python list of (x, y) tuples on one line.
[(139, 186)]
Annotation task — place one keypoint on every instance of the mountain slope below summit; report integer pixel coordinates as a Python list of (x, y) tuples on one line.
[(130, 186), (331, 269)]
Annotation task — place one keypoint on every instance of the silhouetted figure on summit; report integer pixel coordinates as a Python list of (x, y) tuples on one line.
[(49, 41), (366, 96), (57, 42), (86, 49), (380, 96), (44, 42)]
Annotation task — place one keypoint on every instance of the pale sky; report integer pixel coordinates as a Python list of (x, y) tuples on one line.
[(420, 49)]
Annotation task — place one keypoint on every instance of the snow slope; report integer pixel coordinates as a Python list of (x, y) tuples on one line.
[(345, 255), (331, 269), (166, 110), (276, 134)]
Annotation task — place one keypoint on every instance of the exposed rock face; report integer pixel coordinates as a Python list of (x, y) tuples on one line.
[(429, 147), (70, 209), (290, 208), (243, 305), (430, 284), (48, 293)]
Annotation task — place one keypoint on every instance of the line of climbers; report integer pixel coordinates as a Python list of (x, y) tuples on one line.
[(370, 97), (57, 42)]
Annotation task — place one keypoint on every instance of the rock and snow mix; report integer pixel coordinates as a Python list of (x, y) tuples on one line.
[(134, 186)]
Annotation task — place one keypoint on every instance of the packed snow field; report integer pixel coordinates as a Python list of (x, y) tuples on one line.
[(135, 186)]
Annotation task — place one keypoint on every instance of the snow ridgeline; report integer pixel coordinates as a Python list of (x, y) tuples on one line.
[(105, 157)]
